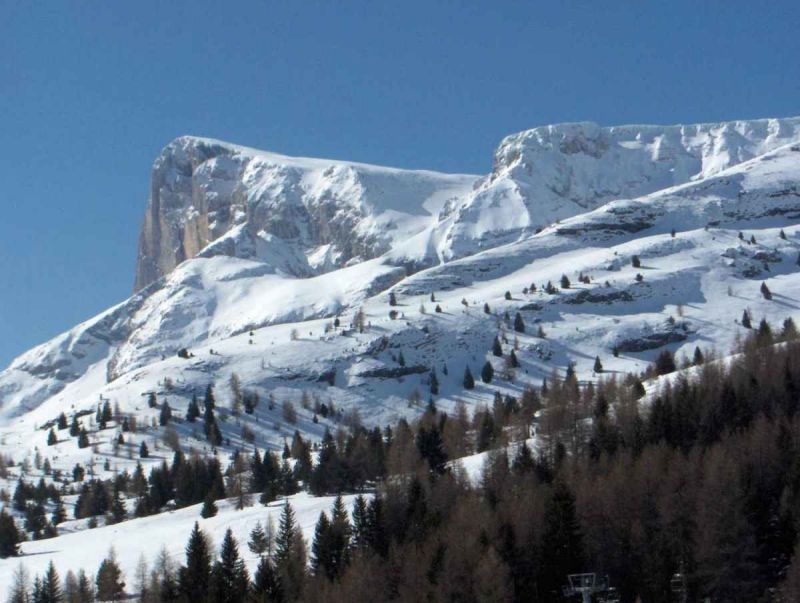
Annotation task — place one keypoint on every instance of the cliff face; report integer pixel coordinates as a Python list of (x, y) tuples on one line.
[(334, 213)]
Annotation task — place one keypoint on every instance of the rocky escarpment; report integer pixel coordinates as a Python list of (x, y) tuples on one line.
[(333, 212)]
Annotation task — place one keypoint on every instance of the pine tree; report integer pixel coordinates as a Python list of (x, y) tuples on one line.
[(165, 415), (512, 357), (194, 577), (266, 588), (321, 547), (360, 523), (698, 356), (50, 586), (598, 366), (192, 410), (290, 555), (341, 534), (469, 380), (258, 543), (565, 284), (83, 439), (118, 512), (497, 349), (152, 401), (74, 428), (392, 298), (229, 578), (519, 324), (52, 439), (636, 262), (487, 310), (209, 507), (765, 291), (434, 383), (746, 320), (508, 295), (143, 450), (62, 421), (9, 535), (401, 360), (665, 363), (487, 372), (561, 540), (109, 582)]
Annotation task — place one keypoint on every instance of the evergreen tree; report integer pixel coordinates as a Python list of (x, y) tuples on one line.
[(52, 439), (50, 586), (562, 543), (321, 548), (636, 262), (229, 578), (152, 401), (62, 421), (392, 298), (598, 366), (290, 556), (360, 523), (165, 415), (512, 358), (508, 295), (519, 324), (9, 535), (469, 380), (258, 543), (434, 382), (192, 410), (497, 349), (665, 363), (565, 284), (487, 372), (194, 577), (83, 439), (74, 428), (109, 582), (698, 356), (266, 588), (487, 310), (209, 507), (765, 291), (143, 450), (746, 320)]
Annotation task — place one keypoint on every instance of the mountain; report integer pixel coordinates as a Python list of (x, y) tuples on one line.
[(246, 258)]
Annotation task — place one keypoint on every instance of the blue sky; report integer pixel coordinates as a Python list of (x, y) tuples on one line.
[(90, 92)]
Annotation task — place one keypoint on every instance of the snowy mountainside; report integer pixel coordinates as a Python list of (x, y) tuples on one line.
[(256, 304), (328, 213), (551, 173)]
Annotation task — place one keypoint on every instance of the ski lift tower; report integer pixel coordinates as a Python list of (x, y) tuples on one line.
[(585, 585)]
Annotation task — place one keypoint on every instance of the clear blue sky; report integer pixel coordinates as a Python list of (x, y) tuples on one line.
[(90, 92)]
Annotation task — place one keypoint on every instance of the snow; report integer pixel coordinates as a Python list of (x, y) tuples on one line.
[(85, 549)]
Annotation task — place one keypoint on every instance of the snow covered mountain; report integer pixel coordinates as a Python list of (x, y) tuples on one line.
[(246, 258)]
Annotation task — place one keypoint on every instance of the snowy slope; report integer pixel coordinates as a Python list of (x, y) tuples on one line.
[(257, 304)]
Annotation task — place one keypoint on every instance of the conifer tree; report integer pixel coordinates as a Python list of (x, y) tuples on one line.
[(52, 440), (229, 578), (487, 310), (434, 382), (109, 582), (519, 324), (746, 320), (360, 523), (636, 262), (62, 421), (165, 415), (392, 298), (565, 283), (74, 428), (508, 295), (143, 450), (209, 507), (598, 366), (258, 542), (152, 401), (512, 357), (321, 547), (192, 410), (83, 439), (469, 380), (561, 539), (497, 349), (698, 356), (9, 535), (266, 588), (194, 577), (487, 372), (765, 291), (290, 555)]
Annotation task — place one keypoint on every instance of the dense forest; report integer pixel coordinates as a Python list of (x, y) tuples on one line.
[(701, 481)]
